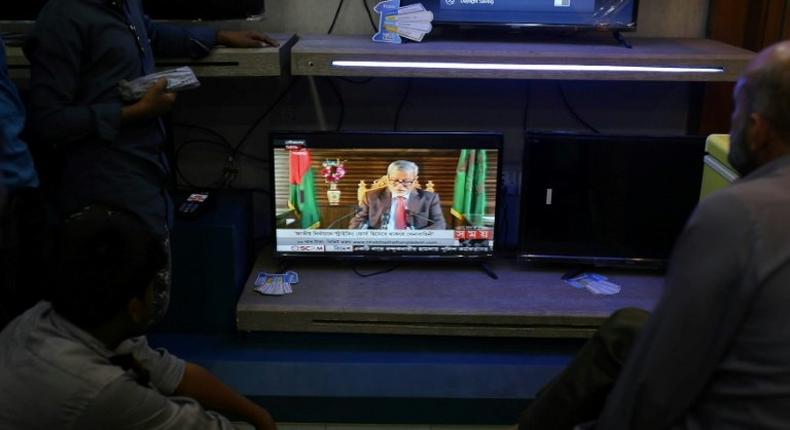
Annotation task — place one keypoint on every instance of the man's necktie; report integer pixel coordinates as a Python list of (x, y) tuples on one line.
[(400, 214)]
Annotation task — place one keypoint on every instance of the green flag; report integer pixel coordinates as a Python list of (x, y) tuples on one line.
[(302, 198), (469, 197)]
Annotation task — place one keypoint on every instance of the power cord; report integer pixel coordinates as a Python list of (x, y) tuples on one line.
[(206, 130), (380, 272), (573, 111), (334, 20), (504, 224), (177, 164), (230, 170), (527, 93), (355, 81), (237, 149), (340, 101), (370, 15), (401, 104)]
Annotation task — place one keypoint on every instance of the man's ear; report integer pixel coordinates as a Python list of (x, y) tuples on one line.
[(136, 308), (760, 132)]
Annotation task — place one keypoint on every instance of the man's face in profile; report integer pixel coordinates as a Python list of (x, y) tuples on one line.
[(740, 155), (401, 183), (151, 311)]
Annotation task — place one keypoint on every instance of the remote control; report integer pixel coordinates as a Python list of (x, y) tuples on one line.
[(194, 205)]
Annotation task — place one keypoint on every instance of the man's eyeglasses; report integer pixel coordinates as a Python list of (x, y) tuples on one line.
[(404, 182)]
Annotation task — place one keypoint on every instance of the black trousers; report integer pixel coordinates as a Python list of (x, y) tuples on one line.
[(26, 250), (578, 394)]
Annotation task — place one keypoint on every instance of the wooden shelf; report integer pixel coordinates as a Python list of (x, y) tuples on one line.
[(222, 62), (238, 62), (313, 56), (438, 299)]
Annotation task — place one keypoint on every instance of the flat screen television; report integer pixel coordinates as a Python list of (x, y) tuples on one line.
[(613, 15), (21, 10), (158, 9), (607, 200), (202, 9), (385, 195)]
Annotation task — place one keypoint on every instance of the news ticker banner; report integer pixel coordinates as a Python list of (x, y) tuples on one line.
[(419, 241)]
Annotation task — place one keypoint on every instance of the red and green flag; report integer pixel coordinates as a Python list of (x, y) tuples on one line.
[(469, 197), (302, 198)]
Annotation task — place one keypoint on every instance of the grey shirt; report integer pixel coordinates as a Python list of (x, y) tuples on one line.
[(716, 352), (53, 375)]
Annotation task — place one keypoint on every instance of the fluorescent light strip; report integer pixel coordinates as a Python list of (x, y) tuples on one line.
[(522, 67)]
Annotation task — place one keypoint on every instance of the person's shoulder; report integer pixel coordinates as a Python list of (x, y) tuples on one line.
[(22, 326), (728, 205), (427, 195), (750, 201), (57, 17), (376, 193), (46, 357), (58, 8), (753, 194)]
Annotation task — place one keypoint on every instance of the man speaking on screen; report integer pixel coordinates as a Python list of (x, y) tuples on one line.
[(401, 205)]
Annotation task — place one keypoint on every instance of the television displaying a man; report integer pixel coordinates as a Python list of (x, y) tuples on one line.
[(401, 205)]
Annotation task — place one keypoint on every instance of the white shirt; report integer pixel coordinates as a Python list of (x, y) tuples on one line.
[(54, 375)]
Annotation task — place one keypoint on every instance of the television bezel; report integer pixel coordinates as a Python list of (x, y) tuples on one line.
[(636, 262), (434, 6), (490, 140)]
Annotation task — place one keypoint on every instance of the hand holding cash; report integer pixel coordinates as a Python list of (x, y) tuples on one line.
[(178, 79)]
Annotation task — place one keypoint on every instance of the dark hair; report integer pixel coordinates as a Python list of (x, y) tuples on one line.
[(105, 259), (768, 92)]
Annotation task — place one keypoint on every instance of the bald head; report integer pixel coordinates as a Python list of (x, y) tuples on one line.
[(766, 87), (760, 129), (775, 54)]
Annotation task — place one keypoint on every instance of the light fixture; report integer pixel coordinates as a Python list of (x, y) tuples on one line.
[(522, 67)]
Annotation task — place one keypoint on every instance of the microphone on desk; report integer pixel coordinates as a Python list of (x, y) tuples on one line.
[(411, 214), (385, 220), (357, 209)]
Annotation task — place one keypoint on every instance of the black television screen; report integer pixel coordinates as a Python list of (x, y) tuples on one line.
[(202, 9), (607, 200), (349, 194), (158, 9), (21, 10), (601, 14)]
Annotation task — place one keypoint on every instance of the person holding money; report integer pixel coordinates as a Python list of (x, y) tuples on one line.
[(111, 152)]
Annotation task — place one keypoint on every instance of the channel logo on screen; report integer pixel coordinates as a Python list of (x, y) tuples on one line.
[(449, 2)]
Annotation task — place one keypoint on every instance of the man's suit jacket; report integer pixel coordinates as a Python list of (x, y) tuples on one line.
[(424, 211)]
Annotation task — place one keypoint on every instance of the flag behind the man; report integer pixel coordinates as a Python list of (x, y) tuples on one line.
[(302, 198)]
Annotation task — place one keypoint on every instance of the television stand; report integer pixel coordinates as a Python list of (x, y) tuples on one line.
[(439, 299), (488, 270), (618, 36)]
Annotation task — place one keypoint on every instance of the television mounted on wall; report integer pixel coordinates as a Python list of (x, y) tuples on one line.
[(609, 15), (385, 195)]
